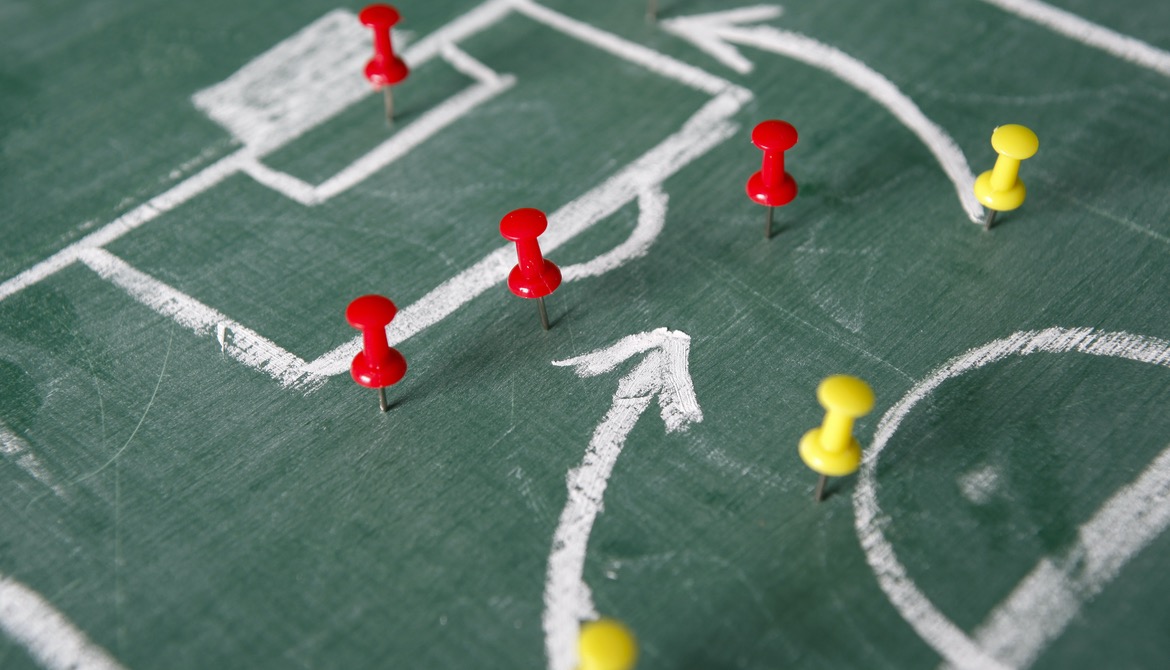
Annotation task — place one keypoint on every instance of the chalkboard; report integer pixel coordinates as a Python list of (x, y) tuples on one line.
[(193, 192)]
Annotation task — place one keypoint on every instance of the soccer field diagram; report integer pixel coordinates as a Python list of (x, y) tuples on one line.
[(195, 480)]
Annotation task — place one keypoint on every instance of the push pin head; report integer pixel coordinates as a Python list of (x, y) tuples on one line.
[(1015, 141), (379, 15), (526, 223), (606, 644), (848, 396)]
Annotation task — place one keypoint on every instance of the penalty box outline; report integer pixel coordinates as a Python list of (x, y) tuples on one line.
[(640, 180)]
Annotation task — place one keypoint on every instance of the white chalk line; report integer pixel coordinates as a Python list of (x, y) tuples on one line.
[(567, 598), (245, 345), (1088, 33), (1049, 598), (664, 374), (488, 85), (651, 220), (711, 32), (15, 448), (654, 61), (473, 22), (45, 633), (297, 84), (952, 643), (470, 67)]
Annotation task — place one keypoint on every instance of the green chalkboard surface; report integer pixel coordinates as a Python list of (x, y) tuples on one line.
[(192, 193)]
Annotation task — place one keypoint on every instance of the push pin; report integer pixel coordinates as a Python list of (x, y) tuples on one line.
[(377, 365), (385, 69), (831, 450), (1000, 189), (772, 186), (533, 276)]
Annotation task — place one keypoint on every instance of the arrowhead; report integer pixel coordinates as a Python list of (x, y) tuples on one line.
[(664, 372), (713, 32)]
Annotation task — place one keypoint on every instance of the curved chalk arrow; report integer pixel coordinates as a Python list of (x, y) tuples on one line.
[(714, 33), (664, 374)]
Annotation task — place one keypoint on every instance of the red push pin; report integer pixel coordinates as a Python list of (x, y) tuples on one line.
[(772, 186), (377, 365), (384, 69), (533, 276)]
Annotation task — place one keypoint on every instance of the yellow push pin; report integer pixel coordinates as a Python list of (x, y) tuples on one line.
[(831, 450), (1000, 189), (606, 644)]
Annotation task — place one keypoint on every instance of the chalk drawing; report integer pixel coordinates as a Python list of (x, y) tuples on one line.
[(45, 633), (146, 212), (1086, 32), (244, 345), (296, 85), (1109, 540), (658, 63), (651, 220), (322, 45), (663, 374), (488, 85), (713, 33), (252, 120), (980, 484)]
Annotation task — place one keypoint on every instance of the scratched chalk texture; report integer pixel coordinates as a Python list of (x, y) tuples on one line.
[(190, 195)]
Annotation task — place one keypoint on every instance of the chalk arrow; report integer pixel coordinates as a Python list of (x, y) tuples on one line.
[(663, 373), (714, 34)]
